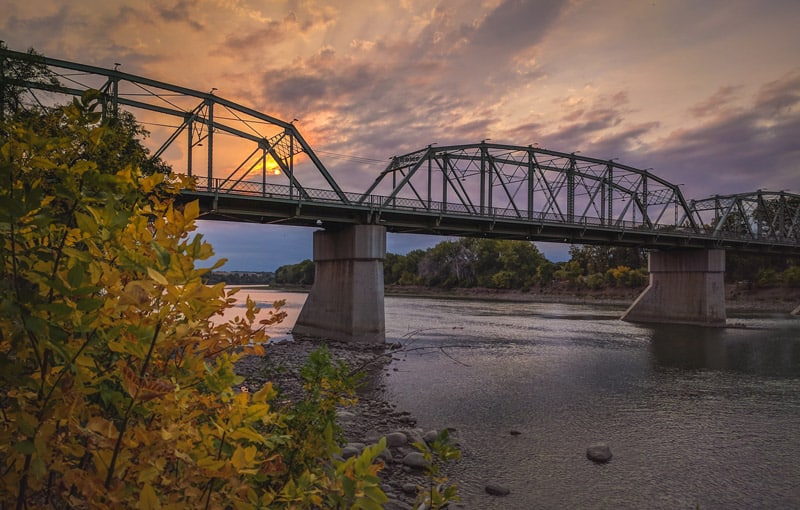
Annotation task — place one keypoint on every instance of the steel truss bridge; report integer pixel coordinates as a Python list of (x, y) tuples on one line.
[(249, 166)]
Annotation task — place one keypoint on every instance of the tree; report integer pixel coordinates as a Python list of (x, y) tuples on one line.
[(296, 274), (14, 74), (599, 259), (117, 381), (448, 264)]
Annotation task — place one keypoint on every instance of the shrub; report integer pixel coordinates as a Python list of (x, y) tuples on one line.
[(117, 382)]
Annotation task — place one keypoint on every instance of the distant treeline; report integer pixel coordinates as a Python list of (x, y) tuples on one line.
[(501, 264), (498, 264), (240, 277)]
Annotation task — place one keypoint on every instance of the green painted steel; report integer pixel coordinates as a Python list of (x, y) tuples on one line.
[(258, 168)]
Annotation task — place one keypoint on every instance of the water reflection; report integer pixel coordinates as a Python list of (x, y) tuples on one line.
[(769, 352)]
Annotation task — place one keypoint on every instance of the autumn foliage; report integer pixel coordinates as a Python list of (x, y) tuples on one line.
[(117, 381)]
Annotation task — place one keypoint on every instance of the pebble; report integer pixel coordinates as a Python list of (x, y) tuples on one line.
[(497, 490)]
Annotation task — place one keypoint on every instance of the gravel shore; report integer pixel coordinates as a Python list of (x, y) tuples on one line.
[(362, 424)]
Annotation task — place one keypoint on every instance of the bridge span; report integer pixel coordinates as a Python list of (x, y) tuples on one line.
[(249, 166)]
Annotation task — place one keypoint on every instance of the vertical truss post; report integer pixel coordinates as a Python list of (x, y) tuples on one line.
[(571, 190), (210, 104), (115, 97), (490, 182), (483, 182), (190, 146), (430, 181), (645, 215), (603, 188), (610, 215), (263, 172), (445, 167), (531, 183), (291, 167)]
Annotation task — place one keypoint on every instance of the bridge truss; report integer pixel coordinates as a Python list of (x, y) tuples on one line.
[(249, 166), (198, 133)]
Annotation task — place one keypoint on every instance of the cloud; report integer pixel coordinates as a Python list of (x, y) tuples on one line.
[(738, 150), (717, 102)]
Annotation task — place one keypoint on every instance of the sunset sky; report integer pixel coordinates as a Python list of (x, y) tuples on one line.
[(706, 93)]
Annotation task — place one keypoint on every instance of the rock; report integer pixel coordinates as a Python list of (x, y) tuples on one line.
[(414, 436), (514, 432), (349, 451), (359, 446), (395, 439), (409, 488), (345, 416), (599, 452), (396, 504), (415, 460), (386, 456), (430, 436), (497, 490)]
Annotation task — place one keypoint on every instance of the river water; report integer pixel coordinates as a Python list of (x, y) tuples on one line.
[(695, 417)]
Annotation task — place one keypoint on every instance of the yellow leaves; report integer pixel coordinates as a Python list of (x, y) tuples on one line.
[(191, 211), (136, 293), (150, 182), (103, 427), (143, 389), (243, 459), (140, 364), (157, 277), (148, 500), (267, 392)]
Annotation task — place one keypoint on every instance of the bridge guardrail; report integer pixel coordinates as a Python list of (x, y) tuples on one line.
[(438, 208)]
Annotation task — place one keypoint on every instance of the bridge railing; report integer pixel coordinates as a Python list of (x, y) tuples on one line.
[(378, 203)]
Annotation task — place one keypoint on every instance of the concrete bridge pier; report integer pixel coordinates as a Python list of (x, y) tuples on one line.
[(346, 300), (686, 287)]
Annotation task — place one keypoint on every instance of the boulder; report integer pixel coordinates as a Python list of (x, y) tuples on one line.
[(415, 460), (599, 452), (395, 439), (430, 436)]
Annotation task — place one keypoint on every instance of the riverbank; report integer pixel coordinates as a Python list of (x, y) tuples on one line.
[(364, 423), (738, 298)]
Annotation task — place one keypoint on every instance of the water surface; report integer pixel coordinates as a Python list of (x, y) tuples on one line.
[(694, 416)]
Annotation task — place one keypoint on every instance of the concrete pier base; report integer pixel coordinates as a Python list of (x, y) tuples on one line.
[(686, 287), (346, 300)]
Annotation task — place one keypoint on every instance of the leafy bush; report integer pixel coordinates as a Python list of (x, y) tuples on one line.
[(117, 382)]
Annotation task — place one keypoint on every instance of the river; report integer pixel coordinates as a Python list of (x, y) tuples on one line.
[(695, 417)]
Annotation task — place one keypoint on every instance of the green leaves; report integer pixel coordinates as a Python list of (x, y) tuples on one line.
[(116, 372)]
